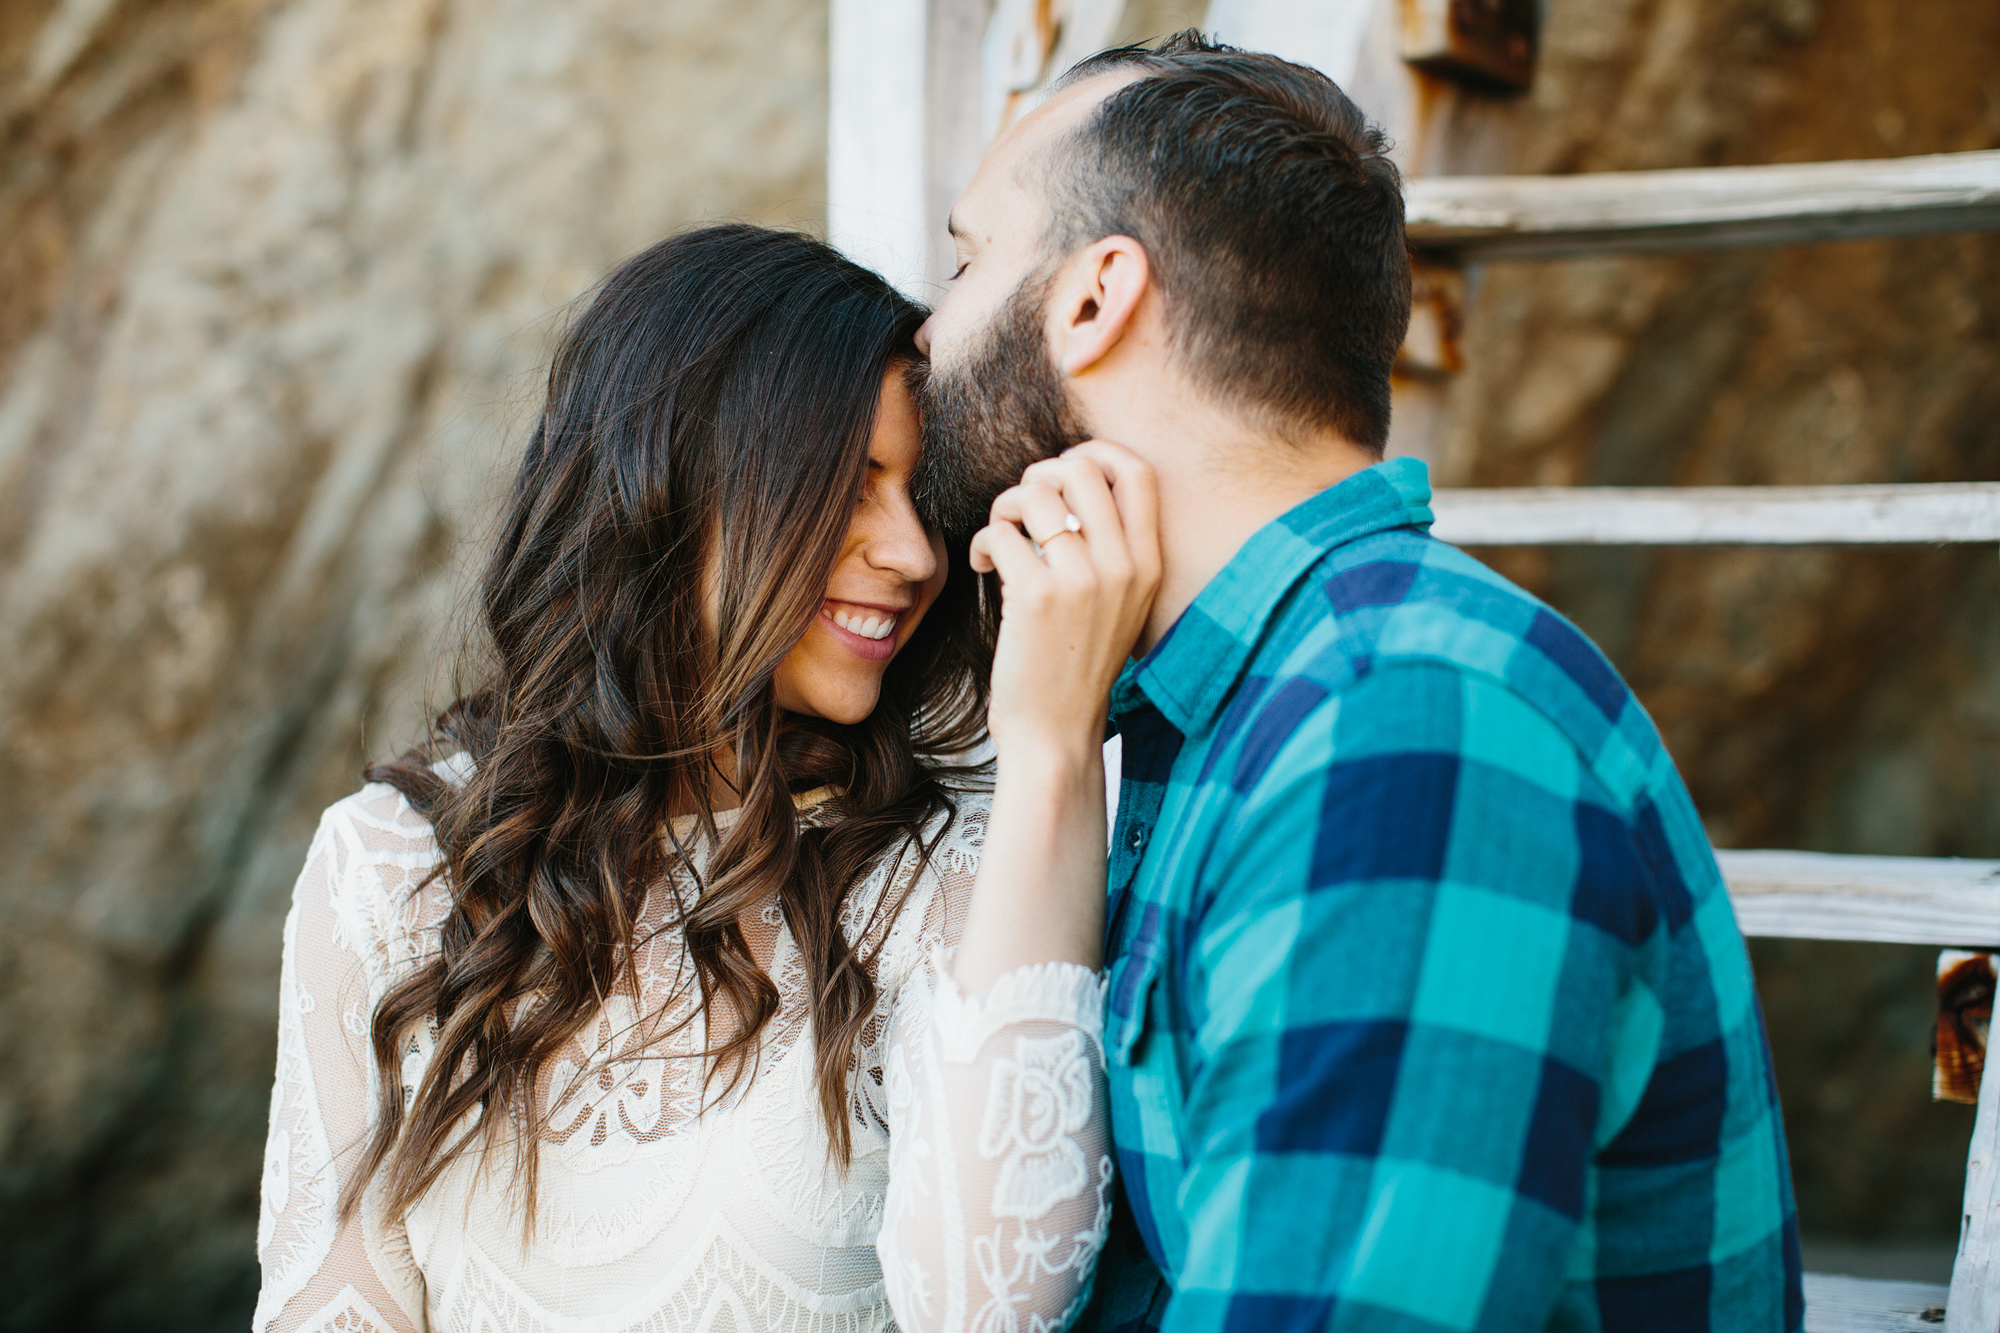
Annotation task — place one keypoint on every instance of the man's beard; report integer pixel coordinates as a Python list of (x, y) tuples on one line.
[(991, 414)]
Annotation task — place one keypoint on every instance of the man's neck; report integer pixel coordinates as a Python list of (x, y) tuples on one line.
[(1219, 481), (1205, 521)]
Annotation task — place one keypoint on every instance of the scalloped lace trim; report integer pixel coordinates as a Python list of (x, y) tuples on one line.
[(1066, 993)]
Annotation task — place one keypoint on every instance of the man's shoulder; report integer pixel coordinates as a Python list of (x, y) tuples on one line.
[(1403, 599)]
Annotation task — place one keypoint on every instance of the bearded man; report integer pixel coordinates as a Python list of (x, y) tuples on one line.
[(1427, 1008)]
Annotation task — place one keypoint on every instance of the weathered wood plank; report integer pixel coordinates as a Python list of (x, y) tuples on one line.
[(1863, 1305), (1975, 1277), (902, 131), (1887, 899), (877, 145), (1719, 515), (1551, 217)]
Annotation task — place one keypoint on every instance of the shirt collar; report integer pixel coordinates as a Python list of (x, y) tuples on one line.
[(1193, 667)]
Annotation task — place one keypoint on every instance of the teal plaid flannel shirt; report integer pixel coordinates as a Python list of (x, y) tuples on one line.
[(1428, 1010)]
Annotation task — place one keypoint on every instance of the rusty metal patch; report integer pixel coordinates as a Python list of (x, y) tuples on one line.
[(1965, 984), (1485, 45)]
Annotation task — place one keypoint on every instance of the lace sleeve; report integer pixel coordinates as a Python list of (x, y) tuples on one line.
[(319, 1275), (1000, 1176)]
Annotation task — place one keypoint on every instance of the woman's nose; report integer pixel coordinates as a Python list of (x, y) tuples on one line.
[(900, 545)]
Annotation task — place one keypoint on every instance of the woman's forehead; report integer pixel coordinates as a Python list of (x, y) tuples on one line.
[(897, 434)]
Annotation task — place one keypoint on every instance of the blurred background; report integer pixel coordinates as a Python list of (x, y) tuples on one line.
[(276, 279)]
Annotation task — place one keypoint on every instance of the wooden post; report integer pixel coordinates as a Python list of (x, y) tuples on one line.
[(876, 141), (902, 133), (1974, 1306), (1887, 899), (917, 89)]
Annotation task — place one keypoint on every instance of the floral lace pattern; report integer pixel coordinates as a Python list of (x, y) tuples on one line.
[(1040, 1101), (976, 1197)]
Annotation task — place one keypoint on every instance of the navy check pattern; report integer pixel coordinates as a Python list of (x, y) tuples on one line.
[(1428, 1010)]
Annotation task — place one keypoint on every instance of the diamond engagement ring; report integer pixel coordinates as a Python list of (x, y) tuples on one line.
[(1072, 527)]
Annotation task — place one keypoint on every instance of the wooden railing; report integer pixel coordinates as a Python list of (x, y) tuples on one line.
[(1702, 208), (1887, 899), (1720, 515)]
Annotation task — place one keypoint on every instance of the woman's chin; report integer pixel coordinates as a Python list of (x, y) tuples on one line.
[(845, 707), (851, 713)]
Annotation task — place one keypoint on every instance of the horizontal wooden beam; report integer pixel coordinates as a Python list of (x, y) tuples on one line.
[(1866, 1305), (1719, 515), (1704, 208), (1886, 899)]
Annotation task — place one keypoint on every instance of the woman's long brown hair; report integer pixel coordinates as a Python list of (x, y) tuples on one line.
[(707, 425)]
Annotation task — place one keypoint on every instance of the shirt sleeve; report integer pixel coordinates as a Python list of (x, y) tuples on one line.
[(320, 1273), (999, 1141), (1398, 1021)]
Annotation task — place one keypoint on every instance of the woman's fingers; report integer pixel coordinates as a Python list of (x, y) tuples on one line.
[(976, 555), (1105, 496), (1042, 513), (1126, 558), (1135, 490), (1087, 494), (1037, 507), (1008, 554), (1102, 556), (1111, 479)]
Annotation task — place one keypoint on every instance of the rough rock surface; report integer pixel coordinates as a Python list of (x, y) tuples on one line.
[(1835, 700), (275, 276)]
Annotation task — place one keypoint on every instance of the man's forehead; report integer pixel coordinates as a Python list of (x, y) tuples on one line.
[(1011, 164)]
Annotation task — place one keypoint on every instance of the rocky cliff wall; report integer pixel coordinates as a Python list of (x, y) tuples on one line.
[(275, 276), (274, 279)]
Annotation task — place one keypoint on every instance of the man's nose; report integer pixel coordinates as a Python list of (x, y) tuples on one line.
[(924, 336)]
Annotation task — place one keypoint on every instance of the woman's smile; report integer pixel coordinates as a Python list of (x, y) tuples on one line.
[(871, 620), (868, 631)]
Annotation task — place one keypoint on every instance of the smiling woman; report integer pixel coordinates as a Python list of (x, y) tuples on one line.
[(688, 444), (889, 571), (619, 1004)]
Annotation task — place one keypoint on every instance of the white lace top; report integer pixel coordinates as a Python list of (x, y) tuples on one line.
[(977, 1196)]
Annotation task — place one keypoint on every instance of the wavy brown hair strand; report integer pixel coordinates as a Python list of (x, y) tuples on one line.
[(706, 426)]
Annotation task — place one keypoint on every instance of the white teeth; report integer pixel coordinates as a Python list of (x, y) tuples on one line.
[(867, 627)]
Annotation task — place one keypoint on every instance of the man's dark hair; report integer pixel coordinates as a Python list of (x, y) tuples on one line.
[(1273, 218)]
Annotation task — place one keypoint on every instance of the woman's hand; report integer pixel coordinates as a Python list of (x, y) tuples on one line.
[(1070, 616)]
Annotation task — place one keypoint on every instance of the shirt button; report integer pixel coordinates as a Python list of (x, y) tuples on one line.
[(1136, 839)]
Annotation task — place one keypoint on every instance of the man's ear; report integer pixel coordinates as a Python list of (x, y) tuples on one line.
[(1096, 300)]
